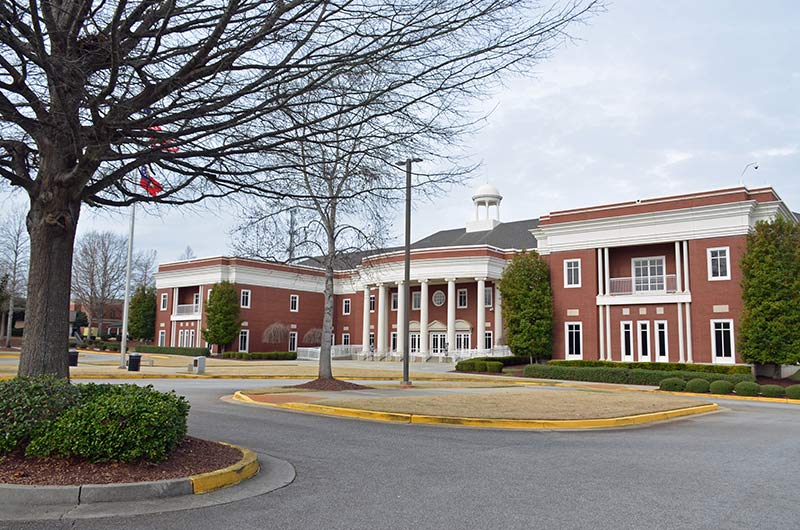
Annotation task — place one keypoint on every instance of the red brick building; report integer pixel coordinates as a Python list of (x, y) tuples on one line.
[(651, 280)]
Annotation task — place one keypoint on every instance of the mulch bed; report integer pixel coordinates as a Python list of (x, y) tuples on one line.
[(333, 385), (780, 382), (193, 456)]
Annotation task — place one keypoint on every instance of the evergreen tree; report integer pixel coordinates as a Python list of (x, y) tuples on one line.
[(770, 327), (222, 315), (528, 306), (142, 317)]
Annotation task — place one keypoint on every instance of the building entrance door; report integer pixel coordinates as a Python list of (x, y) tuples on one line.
[(438, 343)]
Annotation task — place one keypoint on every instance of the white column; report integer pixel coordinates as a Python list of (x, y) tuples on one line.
[(198, 337), (678, 268), (600, 290), (451, 315), (689, 358), (423, 318), (602, 333), (686, 274), (681, 357), (498, 316), (607, 279), (383, 319), (608, 331), (401, 324), (365, 324), (481, 320)]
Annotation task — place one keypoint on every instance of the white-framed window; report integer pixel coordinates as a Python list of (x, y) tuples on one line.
[(294, 303), (196, 301), (164, 301), (190, 339), (372, 340), (245, 299), (208, 296), (648, 274), (572, 273), (643, 331), (162, 338), (723, 347), (662, 341), (415, 343), (393, 345), (345, 339), (488, 293), (372, 303), (292, 341), (439, 298), (346, 306), (416, 300), (573, 334), (463, 340), (180, 338), (626, 340), (461, 298), (488, 343), (244, 340), (719, 263), (394, 302)]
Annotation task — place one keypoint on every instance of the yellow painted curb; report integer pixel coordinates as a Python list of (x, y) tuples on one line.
[(493, 423), (140, 375), (222, 478), (735, 397)]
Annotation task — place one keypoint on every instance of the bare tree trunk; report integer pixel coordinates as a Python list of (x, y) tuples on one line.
[(52, 221), (325, 369), (2, 323)]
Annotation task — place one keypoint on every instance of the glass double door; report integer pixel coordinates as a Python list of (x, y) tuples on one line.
[(438, 343)]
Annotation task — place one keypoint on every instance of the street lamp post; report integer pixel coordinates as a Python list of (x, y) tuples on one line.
[(407, 274)]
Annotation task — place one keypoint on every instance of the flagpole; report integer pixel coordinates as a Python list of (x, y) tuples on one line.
[(123, 349)]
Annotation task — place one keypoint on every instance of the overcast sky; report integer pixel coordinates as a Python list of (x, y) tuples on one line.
[(657, 97)]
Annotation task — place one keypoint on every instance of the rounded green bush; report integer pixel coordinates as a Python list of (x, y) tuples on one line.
[(793, 392), (746, 388), (775, 391), (479, 366), (721, 387), (672, 384), (122, 423), (465, 366), (494, 367), (27, 402), (698, 386)]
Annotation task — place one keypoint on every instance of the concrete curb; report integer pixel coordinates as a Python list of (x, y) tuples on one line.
[(762, 399), (134, 491), (491, 423)]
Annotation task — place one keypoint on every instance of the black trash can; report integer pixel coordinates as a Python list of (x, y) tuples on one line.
[(134, 362), (73, 357)]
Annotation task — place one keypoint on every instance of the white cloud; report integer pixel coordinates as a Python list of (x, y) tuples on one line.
[(775, 151)]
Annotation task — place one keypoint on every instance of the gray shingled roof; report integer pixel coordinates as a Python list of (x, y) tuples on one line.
[(514, 235), (506, 236)]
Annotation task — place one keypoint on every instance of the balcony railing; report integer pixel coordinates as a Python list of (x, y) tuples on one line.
[(665, 284), (188, 309)]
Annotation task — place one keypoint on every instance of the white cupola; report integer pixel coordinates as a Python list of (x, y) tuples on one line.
[(485, 197)]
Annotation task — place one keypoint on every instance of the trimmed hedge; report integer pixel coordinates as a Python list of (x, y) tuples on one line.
[(191, 352), (793, 392), (494, 367), (667, 367), (261, 356), (721, 387), (27, 402), (631, 376), (123, 423), (775, 391), (747, 388), (697, 385), (509, 360), (672, 384)]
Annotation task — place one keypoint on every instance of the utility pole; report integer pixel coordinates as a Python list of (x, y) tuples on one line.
[(407, 275)]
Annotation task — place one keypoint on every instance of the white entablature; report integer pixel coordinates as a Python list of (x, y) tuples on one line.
[(701, 222), (464, 267)]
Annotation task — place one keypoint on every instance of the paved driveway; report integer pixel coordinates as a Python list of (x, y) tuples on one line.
[(731, 470)]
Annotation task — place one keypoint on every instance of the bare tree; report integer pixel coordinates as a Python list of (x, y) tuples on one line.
[(90, 92), (187, 254), (14, 253), (98, 277), (144, 269)]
